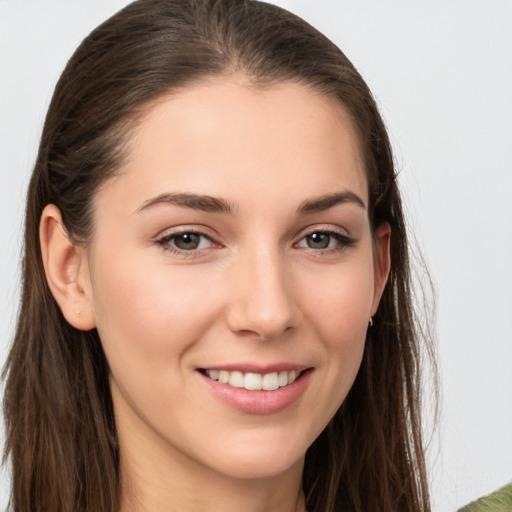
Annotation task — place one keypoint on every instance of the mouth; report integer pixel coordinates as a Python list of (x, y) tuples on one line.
[(252, 381), (257, 390)]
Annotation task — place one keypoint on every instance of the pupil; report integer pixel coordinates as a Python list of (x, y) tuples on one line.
[(318, 240), (187, 241)]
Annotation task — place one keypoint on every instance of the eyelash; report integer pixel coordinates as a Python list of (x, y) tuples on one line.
[(343, 242), (165, 242)]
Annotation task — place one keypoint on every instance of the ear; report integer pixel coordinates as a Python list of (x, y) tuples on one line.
[(67, 271), (381, 263)]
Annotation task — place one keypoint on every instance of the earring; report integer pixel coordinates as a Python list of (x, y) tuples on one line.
[(371, 321)]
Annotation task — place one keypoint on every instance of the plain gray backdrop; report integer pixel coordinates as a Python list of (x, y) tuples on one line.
[(441, 71)]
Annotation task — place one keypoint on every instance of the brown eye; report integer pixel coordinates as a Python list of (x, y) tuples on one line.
[(325, 241), (318, 240), (187, 241)]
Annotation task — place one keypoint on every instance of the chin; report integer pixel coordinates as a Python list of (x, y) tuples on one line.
[(244, 469), (258, 456)]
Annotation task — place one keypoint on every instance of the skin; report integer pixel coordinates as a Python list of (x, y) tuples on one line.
[(254, 291)]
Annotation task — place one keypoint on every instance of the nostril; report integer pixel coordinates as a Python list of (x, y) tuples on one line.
[(264, 333), (262, 303)]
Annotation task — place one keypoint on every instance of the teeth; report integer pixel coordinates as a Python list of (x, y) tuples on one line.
[(270, 381), (236, 379), (254, 381)]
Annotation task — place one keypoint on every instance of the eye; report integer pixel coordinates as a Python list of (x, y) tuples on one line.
[(185, 241), (318, 240), (325, 240)]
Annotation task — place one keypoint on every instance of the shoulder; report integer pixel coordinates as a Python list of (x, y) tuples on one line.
[(498, 501)]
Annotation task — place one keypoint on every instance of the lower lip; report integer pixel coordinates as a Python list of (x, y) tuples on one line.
[(259, 402)]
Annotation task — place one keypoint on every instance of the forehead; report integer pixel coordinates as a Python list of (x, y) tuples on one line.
[(222, 135)]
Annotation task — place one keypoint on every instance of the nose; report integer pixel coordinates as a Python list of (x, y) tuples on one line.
[(262, 303)]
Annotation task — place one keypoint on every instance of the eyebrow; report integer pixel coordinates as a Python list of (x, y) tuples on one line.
[(212, 204), (326, 202), (201, 202)]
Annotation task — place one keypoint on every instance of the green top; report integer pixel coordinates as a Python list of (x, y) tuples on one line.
[(498, 501)]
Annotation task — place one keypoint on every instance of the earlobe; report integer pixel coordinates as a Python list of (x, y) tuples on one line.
[(66, 270), (382, 262)]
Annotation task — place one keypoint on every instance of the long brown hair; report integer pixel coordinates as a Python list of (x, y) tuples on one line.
[(61, 435)]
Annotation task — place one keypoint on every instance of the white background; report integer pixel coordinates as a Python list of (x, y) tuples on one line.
[(441, 71)]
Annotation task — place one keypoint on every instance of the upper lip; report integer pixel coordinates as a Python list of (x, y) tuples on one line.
[(255, 368)]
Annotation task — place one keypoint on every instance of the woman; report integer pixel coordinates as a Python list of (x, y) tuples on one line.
[(216, 283)]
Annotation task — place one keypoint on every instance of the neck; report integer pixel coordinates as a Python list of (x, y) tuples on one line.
[(169, 490), (166, 480)]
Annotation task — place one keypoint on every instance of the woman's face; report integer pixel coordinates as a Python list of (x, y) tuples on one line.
[(234, 245)]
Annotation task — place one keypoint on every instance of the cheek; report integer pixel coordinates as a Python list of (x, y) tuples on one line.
[(341, 305), (149, 312), (339, 310)]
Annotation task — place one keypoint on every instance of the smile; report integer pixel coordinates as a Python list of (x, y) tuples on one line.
[(254, 381), (259, 391)]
